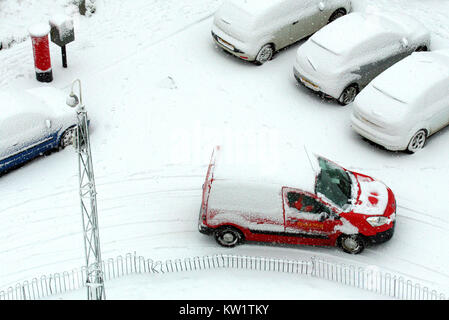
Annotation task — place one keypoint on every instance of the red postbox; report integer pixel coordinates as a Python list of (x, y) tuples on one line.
[(41, 51)]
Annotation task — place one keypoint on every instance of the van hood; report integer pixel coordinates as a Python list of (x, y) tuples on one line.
[(373, 198)]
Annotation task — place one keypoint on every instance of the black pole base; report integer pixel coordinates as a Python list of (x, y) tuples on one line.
[(64, 57), (44, 76)]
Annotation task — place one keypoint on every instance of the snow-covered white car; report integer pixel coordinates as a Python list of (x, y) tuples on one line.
[(406, 104), (314, 202), (343, 57), (254, 30), (33, 122)]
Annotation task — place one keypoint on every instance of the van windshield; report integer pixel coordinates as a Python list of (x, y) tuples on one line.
[(334, 183)]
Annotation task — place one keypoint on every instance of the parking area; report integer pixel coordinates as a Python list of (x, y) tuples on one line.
[(155, 116)]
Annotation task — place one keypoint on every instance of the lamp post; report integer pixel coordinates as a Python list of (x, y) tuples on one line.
[(88, 199)]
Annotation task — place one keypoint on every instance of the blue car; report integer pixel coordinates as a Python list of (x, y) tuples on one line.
[(33, 122)]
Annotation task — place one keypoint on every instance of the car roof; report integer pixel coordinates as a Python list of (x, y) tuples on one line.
[(415, 75), (272, 169), (15, 102), (256, 7), (348, 32), (47, 101)]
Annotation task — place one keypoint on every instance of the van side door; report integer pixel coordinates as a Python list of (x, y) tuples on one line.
[(307, 216)]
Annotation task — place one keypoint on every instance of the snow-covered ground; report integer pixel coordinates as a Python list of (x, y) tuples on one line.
[(160, 96), (225, 285)]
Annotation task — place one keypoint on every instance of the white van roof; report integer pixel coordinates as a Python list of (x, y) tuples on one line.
[(246, 197), (272, 168)]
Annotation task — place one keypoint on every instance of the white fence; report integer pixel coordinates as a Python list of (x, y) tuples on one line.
[(382, 283)]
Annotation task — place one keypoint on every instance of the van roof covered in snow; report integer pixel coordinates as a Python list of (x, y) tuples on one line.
[(245, 183), (288, 167)]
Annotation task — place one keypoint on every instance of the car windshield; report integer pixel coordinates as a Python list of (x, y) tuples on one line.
[(334, 183)]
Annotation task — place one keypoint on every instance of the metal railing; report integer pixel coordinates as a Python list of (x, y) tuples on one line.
[(382, 283)]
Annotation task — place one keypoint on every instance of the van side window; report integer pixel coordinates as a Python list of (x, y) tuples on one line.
[(304, 203)]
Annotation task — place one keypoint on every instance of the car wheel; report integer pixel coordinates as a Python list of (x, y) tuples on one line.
[(337, 14), (348, 95), (67, 138), (265, 54), (421, 49), (228, 236), (417, 142), (352, 243)]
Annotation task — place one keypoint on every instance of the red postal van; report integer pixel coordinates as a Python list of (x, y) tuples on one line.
[(328, 205)]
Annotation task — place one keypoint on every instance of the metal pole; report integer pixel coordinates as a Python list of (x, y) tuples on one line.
[(88, 202), (64, 56)]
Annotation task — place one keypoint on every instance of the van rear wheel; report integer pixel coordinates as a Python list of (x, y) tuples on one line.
[(228, 236)]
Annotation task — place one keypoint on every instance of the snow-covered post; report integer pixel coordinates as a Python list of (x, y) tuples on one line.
[(41, 51), (62, 33)]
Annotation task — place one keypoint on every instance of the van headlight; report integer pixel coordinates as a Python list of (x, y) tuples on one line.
[(377, 221)]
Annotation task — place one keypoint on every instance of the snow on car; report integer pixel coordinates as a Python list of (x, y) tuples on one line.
[(406, 104), (253, 30), (33, 122), (315, 202), (343, 57)]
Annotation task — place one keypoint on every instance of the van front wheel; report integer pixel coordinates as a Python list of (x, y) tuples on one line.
[(351, 243), (228, 236)]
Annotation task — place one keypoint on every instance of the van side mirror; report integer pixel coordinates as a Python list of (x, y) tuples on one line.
[(324, 216)]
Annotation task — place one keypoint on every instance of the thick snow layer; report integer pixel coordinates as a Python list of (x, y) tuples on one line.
[(373, 198), (39, 30), (225, 284), (268, 164), (244, 203), (421, 76), (17, 16), (366, 30), (152, 140)]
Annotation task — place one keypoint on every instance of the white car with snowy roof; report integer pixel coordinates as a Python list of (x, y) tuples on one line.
[(313, 202), (406, 104), (254, 30), (342, 58)]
